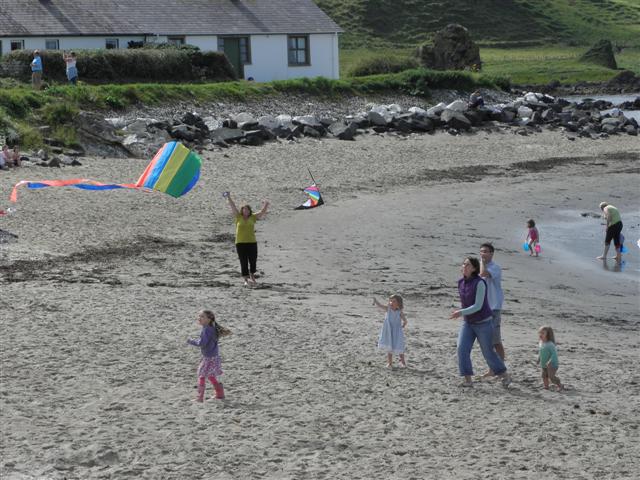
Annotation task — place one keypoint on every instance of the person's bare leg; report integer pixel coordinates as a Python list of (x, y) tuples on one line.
[(402, 361), (618, 254), (531, 248), (606, 250), (545, 378)]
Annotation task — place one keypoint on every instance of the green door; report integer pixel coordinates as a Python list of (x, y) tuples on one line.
[(232, 51)]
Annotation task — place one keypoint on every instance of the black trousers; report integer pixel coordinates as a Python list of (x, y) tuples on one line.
[(613, 233), (248, 255)]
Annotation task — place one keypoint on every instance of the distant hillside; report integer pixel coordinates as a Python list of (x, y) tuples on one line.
[(508, 22)]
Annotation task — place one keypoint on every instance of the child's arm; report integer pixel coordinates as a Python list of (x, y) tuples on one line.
[(403, 318), (379, 305)]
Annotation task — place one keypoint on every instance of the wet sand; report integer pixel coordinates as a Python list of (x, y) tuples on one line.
[(102, 289)]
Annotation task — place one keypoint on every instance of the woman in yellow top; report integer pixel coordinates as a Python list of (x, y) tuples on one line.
[(246, 243)]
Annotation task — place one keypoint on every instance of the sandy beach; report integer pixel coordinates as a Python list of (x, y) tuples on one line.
[(102, 289)]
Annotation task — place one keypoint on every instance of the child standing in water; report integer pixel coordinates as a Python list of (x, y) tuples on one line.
[(210, 366), (548, 357), (392, 335), (533, 237)]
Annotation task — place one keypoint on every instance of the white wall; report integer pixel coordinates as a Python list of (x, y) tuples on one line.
[(66, 43), (270, 61)]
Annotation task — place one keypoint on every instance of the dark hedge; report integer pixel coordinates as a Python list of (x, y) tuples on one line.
[(172, 65)]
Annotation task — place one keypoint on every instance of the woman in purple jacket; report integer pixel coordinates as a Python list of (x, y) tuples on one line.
[(477, 316)]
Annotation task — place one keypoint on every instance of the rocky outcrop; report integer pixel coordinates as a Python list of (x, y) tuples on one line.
[(452, 49), (601, 54)]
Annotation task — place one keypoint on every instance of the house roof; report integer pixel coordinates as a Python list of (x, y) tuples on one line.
[(163, 17)]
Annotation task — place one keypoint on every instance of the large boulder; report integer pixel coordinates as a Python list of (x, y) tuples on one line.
[(601, 54), (452, 49), (455, 120)]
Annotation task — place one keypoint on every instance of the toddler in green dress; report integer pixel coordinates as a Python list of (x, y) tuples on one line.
[(548, 356)]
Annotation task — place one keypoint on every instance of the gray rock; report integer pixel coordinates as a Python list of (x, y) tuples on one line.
[(227, 135), (452, 49), (436, 109), (418, 112), (631, 130), (311, 132), (376, 118), (284, 121), (187, 133), (268, 122), (245, 121), (458, 106), (308, 121), (421, 124), (342, 131), (525, 112), (455, 120)]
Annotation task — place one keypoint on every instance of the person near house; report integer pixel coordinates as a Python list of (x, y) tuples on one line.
[(72, 71), (36, 70), (491, 272), (476, 324), (246, 243), (614, 230)]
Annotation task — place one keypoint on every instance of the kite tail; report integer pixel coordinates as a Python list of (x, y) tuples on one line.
[(82, 183)]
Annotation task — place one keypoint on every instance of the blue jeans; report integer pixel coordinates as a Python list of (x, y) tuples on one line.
[(483, 331)]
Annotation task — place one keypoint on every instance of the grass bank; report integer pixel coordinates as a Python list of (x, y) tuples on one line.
[(22, 109), (531, 66)]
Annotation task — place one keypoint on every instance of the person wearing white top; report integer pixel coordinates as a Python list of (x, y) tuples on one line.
[(491, 272)]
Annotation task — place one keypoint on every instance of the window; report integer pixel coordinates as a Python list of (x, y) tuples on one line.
[(299, 50), (111, 43), (17, 45), (177, 41), (52, 44), (244, 46)]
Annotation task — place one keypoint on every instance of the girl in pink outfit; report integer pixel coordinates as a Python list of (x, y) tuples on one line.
[(210, 365), (533, 238)]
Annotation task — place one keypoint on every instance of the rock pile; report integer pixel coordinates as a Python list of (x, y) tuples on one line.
[(601, 54), (527, 114), (143, 136)]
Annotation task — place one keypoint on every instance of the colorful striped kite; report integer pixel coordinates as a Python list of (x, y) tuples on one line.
[(174, 170), (315, 198)]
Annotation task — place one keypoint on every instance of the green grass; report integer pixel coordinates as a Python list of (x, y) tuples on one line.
[(394, 23), (534, 65), (538, 66)]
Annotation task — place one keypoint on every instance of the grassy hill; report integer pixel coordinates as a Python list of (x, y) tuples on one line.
[(398, 23)]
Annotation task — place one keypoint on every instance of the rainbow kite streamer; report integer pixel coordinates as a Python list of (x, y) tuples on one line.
[(174, 170)]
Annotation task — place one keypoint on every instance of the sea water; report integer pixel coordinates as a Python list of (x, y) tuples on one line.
[(579, 239), (615, 99)]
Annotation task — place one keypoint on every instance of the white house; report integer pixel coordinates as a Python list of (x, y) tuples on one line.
[(263, 39)]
